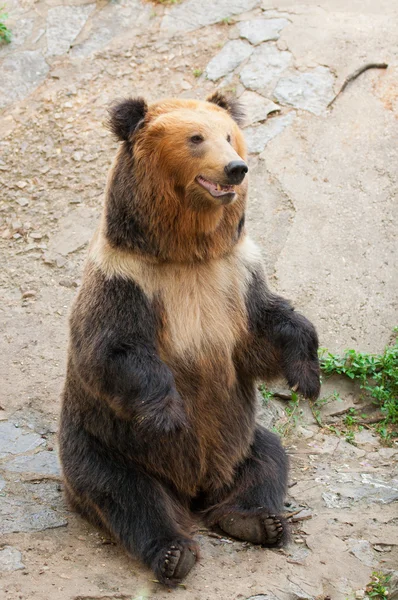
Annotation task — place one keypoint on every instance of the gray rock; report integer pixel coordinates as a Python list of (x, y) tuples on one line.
[(346, 488), (332, 500), (116, 18), (299, 556), (19, 35), (21, 73), (256, 107), (191, 15), (258, 137), (367, 439), (76, 230), (264, 66), (2, 483), (10, 559), (298, 593), (393, 585), (41, 465), (263, 597), (362, 550), (233, 53), (310, 91), (14, 440), (270, 412), (32, 507), (20, 515), (261, 30), (64, 24)]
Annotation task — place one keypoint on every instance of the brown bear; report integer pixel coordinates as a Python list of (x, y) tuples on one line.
[(172, 327)]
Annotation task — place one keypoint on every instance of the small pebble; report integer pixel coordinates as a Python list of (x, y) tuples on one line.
[(304, 515), (22, 201), (29, 294)]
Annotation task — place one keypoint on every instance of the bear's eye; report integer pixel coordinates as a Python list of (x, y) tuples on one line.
[(228, 139), (197, 139)]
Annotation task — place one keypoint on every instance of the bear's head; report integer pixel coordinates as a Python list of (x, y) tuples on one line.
[(178, 188)]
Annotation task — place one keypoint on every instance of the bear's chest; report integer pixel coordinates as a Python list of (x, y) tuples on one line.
[(200, 308)]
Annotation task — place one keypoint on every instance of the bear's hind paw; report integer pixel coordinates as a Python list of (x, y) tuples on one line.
[(174, 563), (269, 530)]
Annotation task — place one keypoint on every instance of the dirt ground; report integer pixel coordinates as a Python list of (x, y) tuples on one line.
[(322, 207)]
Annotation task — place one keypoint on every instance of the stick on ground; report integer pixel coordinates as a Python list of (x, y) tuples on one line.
[(356, 74)]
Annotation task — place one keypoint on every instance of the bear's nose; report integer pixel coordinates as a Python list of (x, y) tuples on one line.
[(236, 171)]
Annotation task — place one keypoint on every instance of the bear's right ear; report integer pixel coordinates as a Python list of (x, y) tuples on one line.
[(126, 116)]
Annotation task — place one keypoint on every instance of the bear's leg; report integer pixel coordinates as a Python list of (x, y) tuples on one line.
[(135, 508), (249, 509)]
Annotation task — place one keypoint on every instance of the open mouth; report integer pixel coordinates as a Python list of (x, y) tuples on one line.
[(215, 189)]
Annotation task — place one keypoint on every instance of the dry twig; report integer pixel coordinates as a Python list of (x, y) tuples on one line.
[(356, 74)]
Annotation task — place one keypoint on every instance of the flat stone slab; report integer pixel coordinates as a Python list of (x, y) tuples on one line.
[(19, 515), (233, 53), (31, 507), (261, 30), (41, 465), (10, 559), (311, 91), (114, 19), (362, 550), (264, 66), (258, 137), (256, 107), (64, 24), (75, 231), (191, 15), (14, 440), (263, 597), (21, 73), (346, 488)]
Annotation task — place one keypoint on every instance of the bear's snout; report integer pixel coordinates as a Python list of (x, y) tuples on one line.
[(236, 171)]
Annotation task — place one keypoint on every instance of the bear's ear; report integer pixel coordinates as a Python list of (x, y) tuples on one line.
[(231, 105), (126, 116)]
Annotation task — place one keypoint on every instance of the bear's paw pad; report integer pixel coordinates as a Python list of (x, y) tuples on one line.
[(264, 530), (178, 561)]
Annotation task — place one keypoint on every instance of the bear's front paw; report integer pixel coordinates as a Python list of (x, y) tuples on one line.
[(174, 562), (165, 415), (303, 378)]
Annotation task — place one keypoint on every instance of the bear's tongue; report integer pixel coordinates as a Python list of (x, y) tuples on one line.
[(215, 189)]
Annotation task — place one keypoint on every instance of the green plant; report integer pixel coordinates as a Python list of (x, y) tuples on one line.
[(166, 1), (197, 72), (350, 418), (226, 21), (350, 437), (376, 588), (5, 33), (292, 415), (317, 405), (377, 375), (266, 394)]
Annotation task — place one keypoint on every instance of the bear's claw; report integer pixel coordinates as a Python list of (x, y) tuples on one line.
[(176, 563), (267, 530)]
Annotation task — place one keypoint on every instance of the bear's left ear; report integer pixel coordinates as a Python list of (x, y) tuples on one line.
[(126, 116), (231, 105)]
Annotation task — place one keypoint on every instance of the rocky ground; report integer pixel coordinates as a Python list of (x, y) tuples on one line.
[(321, 207)]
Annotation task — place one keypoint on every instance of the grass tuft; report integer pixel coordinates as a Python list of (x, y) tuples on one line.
[(5, 33), (377, 375), (377, 587)]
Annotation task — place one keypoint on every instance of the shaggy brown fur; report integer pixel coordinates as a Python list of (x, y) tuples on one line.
[(173, 325)]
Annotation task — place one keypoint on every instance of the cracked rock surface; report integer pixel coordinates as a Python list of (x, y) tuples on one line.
[(322, 209)]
